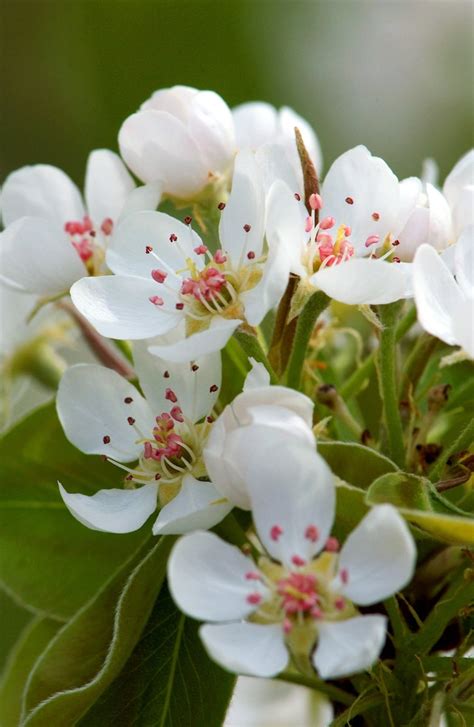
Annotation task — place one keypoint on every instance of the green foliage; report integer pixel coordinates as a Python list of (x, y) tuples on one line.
[(168, 680), (354, 463), (418, 500), (32, 642), (51, 562), (14, 620), (91, 649)]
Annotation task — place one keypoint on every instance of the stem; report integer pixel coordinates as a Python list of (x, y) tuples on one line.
[(416, 362), (398, 625), (339, 695), (464, 441), (361, 374), (388, 382), (97, 344), (306, 322), (250, 344)]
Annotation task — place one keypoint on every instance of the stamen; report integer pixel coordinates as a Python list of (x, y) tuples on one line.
[(148, 249), (171, 396), (253, 575), (213, 388), (349, 200), (298, 560), (159, 276), (339, 603), (200, 250), (177, 414), (315, 201), (221, 206), (254, 598), (106, 439), (107, 226), (372, 240), (128, 400), (312, 533), (247, 228), (131, 421), (375, 216), (220, 258), (297, 197), (344, 575), (275, 532), (251, 255), (156, 300), (173, 237), (308, 225), (327, 223), (332, 545)]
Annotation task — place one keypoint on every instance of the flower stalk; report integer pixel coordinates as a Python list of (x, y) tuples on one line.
[(387, 357)]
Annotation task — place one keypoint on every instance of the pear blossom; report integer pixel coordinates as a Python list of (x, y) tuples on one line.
[(181, 137), (246, 424), (298, 599), (458, 189), (165, 275), (351, 253), (163, 431), (445, 299), (271, 134), (51, 239)]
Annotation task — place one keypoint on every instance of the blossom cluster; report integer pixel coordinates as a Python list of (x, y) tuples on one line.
[(249, 229)]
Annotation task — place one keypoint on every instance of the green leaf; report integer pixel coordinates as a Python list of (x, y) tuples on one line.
[(355, 463), (14, 620), (88, 653), (350, 509), (48, 560), (422, 505), (169, 681), (34, 639)]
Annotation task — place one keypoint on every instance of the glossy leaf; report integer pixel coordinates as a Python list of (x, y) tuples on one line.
[(34, 639), (354, 463), (90, 651), (51, 562), (168, 680), (418, 501)]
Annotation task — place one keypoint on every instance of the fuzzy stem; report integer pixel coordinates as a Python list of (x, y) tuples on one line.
[(363, 372), (97, 344), (306, 322), (388, 382)]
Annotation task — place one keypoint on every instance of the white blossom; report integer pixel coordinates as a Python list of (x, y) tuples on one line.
[(51, 238), (300, 597), (165, 275)]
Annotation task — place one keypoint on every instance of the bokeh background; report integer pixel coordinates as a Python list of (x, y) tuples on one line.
[(394, 75)]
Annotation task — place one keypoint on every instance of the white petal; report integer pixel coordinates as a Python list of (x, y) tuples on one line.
[(363, 281), (243, 424), (158, 147), (37, 257), (246, 206), (91, 405), (146, 197), (461, 175), (276, 165), (211, 125), (192, 387), (257, 377), (438, 297), (440, 229), (373, 188), (464, 261), (292, 488), (41, 191), (200, 344), (379, 556), (15, 306), (207, 578), (463, 210), (107, 185), (246, 648), (175, 100), (270, 288), (112, 511), (285, 224), (348, 647), (127, 251), (255, 124), (197, 506), (119, 306), (288, 120)]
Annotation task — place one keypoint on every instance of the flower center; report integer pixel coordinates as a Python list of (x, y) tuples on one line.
[(88, 243)]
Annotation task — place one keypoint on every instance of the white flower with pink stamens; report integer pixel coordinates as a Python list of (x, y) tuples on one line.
[(164, 275), (156, 440), (444, 298), (181, 137), (51, 239), (351, 253), (298, 599)]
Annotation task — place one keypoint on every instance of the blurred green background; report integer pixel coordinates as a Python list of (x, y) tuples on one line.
[(395, 75)]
